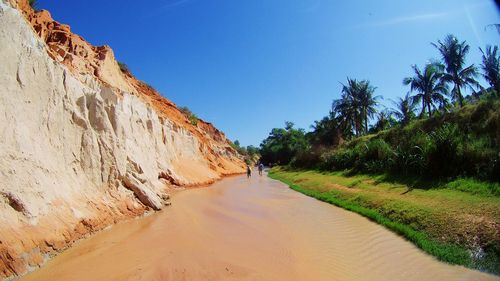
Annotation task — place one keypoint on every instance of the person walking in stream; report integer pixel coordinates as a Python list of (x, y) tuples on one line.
[(249, 171), (261, 168)]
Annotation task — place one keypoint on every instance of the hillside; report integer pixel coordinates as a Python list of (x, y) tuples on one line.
[(84, 143), (462, 143)]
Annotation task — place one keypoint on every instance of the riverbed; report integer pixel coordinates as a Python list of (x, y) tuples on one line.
[(248, 229)]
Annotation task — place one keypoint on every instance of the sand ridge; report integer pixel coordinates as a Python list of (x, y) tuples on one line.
[(84, 143)]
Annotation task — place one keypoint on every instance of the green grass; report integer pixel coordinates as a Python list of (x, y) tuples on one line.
[(474, 186), (451, 221)]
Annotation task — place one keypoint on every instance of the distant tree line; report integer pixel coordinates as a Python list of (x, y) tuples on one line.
[(434, 119), (250, 153)]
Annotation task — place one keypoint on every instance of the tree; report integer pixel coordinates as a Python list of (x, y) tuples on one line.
[(346, 114), (252, 150), (356, 105), (384, 121), (283, 144), (453, 55), (404, 110), (491, 67), (367, 101), (326, 132), (429, 85)]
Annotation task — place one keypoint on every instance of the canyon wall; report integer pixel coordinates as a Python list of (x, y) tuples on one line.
[(84, 144)]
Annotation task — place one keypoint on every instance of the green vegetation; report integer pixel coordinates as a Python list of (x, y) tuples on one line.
[(193, 119), (455, 221), (453, 53), (405, 109), (491, 67), (357, 105), (429, 169), (123, 67), (452, 136), (463, 143), (283, 144), (250, 153), (33, 4), (430, 87)]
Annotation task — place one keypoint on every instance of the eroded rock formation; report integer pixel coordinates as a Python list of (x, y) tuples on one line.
[(84, 144)]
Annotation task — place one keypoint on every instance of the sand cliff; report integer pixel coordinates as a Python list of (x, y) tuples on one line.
[(84, 144)]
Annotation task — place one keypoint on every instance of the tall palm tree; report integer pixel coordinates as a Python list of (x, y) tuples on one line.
[(356, 105), (453, 54), (429, 85), (367, 101), (345, 112), (404, 110), (491, 67)]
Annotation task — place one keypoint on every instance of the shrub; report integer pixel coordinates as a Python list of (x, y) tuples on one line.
[(339, 159), (442, 157), (193, 119), (306, 159), (377, 156), (123, 67), (33, 4), (476, 155)]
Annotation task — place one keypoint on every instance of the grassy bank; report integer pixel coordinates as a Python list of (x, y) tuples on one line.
[(458, 221), (461, 143)]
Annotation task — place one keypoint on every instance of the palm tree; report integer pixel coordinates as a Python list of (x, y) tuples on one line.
[(429, 85), (346, 108), (367, 101), (453, 55), (326, 131), (405, 108), (345, 112), (491, 67), (384, 121), (356, 105)]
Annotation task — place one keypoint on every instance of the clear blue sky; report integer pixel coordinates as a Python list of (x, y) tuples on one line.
[(249, 65)]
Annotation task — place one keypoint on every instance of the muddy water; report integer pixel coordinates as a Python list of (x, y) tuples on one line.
[(241, 229)]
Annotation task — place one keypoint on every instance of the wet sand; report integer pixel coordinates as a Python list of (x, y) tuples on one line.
[(240, 229)]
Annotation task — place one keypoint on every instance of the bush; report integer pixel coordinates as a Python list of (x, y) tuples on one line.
[(442, 157), (377, 156), (193, 119), (306, 159), (476, 157), (409, 160), (33, 4), (339, 159), (123, 67), (370, 156)]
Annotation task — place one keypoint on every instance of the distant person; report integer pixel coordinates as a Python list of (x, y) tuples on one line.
[(261, 168), (249, 171)]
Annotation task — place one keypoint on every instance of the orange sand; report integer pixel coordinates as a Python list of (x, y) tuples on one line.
[(255, 229)]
